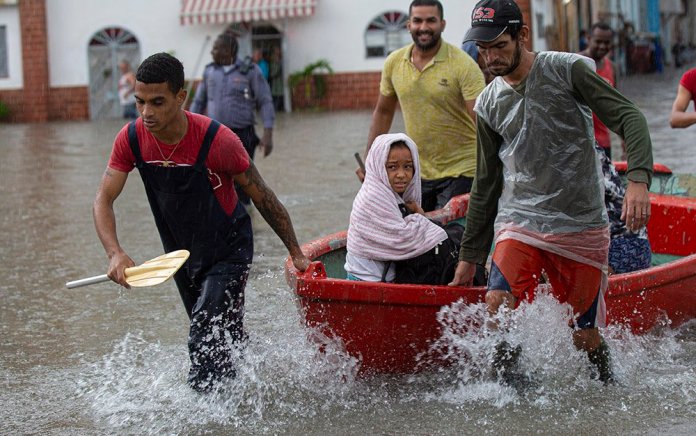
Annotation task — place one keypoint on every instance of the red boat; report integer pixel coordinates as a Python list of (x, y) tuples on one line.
[(388, 326)]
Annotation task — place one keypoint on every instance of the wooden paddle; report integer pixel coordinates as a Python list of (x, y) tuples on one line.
[(151, 273)]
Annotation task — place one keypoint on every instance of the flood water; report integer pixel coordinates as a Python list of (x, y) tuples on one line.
[(104, 360)]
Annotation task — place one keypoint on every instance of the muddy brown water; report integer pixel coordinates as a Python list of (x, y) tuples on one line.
[(103, 360)]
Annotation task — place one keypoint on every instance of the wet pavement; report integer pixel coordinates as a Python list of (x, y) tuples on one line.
[(654, 95), (103, 360)]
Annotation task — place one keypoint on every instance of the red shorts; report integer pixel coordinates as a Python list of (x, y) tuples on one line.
[(519, 268)]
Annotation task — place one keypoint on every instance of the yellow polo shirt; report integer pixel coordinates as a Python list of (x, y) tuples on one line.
[(432, 103)]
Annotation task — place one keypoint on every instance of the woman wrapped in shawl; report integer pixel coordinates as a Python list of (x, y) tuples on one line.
[(379, 232)]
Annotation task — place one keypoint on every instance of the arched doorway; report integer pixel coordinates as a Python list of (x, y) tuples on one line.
[(267, 43), (106, 49), (265, 37)]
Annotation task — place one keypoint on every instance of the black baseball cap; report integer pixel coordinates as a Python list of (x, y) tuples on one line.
[(491, 18)]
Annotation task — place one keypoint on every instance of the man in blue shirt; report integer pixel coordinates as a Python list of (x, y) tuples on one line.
[(231, 91), (260, 59)]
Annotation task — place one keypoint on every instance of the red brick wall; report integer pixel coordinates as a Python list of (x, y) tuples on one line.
[(353, 90), (32, 16), (344, 91), (13, 99), (69, 103)]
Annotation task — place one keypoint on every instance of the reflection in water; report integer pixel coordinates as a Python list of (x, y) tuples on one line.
[(101, 359)]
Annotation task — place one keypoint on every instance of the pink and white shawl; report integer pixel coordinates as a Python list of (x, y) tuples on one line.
[(377, 229)]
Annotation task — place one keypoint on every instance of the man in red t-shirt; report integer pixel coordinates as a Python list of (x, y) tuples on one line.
[(600, 44), (686, 92), (188, 164)]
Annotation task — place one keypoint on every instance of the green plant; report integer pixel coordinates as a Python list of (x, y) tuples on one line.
[(312, 76), (4, 111)]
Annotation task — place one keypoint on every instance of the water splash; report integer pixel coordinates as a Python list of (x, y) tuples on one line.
[(299, 381), (140, 383), (655, 366)]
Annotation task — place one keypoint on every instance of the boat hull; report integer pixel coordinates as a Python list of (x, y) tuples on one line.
[(391, 328)]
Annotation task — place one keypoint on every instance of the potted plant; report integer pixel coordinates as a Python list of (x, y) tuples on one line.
[(309, 84), (4, 111)]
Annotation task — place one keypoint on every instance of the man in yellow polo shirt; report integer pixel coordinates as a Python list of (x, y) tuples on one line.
[(436, 85)]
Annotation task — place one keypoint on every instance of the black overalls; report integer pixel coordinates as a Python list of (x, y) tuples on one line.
[(211, 282)]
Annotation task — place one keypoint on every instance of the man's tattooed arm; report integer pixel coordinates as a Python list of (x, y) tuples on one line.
[(273, 211)]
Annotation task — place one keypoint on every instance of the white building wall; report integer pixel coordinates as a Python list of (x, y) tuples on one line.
[(155, 23), (335, 32), (9, 16), (610, 10), (631, 12), (545, 8)]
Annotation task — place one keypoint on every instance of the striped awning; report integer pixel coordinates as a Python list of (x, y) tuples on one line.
[(237, 11)]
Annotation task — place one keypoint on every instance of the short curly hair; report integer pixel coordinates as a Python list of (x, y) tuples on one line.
[(161, 68)]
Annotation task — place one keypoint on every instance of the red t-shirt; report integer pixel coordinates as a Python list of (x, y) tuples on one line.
[(601, 131), (688, 81), (226, 158)]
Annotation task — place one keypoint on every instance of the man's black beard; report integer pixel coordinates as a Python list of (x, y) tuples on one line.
[(596, 57), (516, 59), (432, 44)]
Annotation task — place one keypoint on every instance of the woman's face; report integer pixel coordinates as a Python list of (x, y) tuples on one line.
[(399, 166)]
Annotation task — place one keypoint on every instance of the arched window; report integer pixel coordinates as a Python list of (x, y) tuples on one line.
[(386, 33), (112, 36)]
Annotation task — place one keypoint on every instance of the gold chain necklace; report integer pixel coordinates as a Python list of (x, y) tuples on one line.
[(165, 160)]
